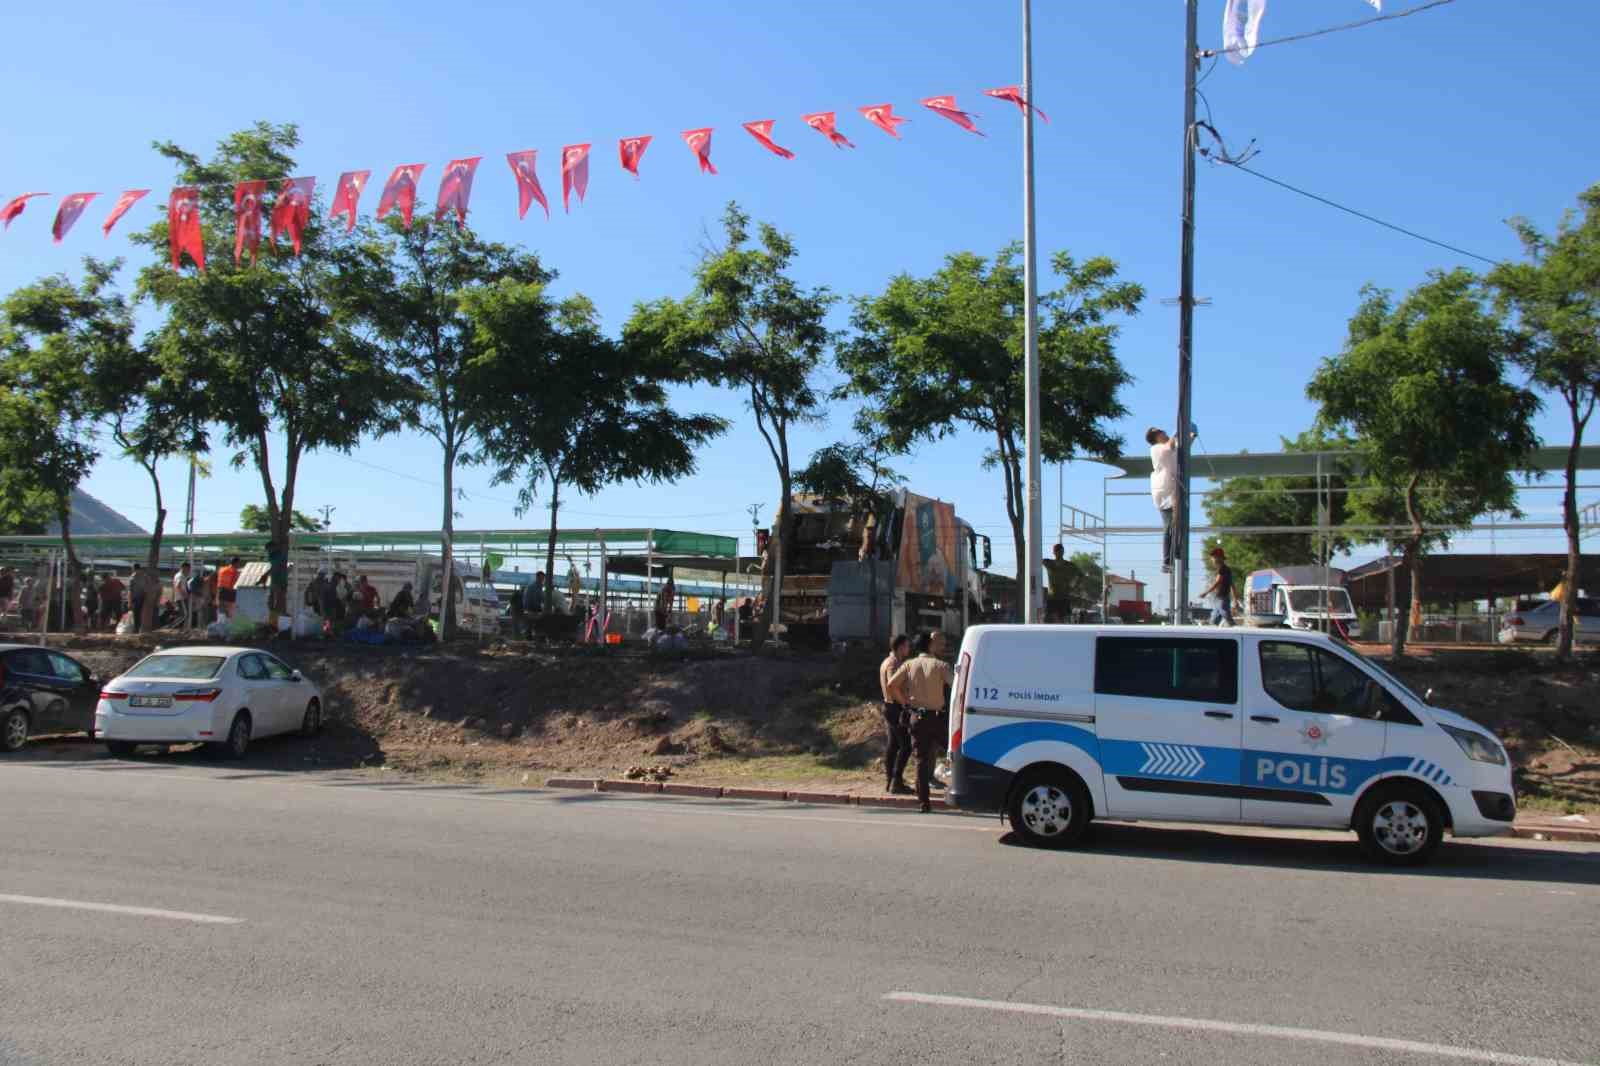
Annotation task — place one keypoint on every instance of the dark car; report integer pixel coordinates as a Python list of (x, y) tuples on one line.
[(43, 691)]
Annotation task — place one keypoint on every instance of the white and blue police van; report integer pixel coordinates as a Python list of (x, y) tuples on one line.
[(1055, 725)]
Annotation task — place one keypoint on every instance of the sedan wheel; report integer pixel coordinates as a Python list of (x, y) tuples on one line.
[(238, 742), (14, 730)]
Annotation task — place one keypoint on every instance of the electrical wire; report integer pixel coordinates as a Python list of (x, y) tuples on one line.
[(1351, 211), (1208, 53)]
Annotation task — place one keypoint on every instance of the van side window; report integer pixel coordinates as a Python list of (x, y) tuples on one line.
[(1304, 678), (1199, 670)]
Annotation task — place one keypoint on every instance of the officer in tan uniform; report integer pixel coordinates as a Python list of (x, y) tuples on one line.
[(919, 684)]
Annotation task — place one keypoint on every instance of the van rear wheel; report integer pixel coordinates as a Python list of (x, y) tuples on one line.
[(1049, 808)]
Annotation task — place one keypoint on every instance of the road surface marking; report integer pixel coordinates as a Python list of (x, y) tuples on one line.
[(1281, 1032), (117, 908)]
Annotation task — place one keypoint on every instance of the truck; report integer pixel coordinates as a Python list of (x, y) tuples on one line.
[(862, 574), (1299, 597)]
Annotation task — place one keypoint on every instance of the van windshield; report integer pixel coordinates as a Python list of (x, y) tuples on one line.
[(1311, 601), (184, 666)]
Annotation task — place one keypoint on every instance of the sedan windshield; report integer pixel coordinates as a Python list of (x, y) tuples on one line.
[(184, 666)]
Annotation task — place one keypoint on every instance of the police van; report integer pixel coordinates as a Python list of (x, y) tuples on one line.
[(1055, 725)]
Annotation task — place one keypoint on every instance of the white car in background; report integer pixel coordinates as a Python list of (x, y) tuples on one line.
[(219, 696), (1540, 622)]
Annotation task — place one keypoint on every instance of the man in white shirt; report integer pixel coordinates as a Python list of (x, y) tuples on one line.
[(1164, 486)]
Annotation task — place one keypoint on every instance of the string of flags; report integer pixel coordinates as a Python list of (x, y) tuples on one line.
[(291, 205)]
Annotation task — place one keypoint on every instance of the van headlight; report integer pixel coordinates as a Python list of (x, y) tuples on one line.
[(1476, 746)]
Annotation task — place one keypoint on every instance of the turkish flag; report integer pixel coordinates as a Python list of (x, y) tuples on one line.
[(347, 195), (455, 188), (762, 132), (183, 226), (528, 189), (883, 117), (120, 208), (825, 123), (1014, 94), (574, 172), (699, 142), (247, 218), (14, 207), (631, 149), (401, 191), (292, 211), (67, 214), (946, 106)]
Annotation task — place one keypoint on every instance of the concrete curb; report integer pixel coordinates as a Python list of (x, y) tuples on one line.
[(1543, 831), (725, 792)]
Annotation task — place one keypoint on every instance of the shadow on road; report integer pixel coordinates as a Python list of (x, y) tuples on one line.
[(1455, 858), (334, 749)]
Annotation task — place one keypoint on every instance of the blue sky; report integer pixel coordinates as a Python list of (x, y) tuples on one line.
[(1446, 123)]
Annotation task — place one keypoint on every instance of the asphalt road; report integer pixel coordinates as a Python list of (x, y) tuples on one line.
[(303, 919)]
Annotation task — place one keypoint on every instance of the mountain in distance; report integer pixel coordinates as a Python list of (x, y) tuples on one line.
[(90, 516)]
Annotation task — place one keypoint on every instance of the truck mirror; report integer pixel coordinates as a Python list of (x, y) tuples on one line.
[(988, 557)]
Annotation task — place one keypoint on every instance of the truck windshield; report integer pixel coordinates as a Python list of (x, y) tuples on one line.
[(1311, 601)]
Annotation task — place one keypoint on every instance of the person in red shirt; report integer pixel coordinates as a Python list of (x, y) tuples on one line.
[(367, 594), (110, 600)]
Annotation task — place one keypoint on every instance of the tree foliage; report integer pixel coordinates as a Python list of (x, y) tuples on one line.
[(1281, 501), (1554, 298), (933, 355), (272, 349), (254, 519), (852, 474), (1421, 388), (573, 408), (749, 326)]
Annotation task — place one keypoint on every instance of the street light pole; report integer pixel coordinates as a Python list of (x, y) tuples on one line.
[(1180, 532), (1033, 503)]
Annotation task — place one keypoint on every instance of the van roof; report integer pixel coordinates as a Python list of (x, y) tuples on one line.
[(1150, 630)]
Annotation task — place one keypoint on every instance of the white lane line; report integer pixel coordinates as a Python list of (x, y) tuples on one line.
[(117, 908), (1382, 1043)]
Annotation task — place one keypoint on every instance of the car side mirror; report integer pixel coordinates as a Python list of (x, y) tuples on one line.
[(295, 676), (1427, 697)]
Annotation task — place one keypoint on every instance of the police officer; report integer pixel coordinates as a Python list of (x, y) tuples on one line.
[(898, 750), (919, 683)]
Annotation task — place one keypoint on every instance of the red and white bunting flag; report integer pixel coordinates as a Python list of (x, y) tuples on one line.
[(455, 188), (825, 123), (347, 195), (528, 189), (946, 106), (13, 208), (67, 214), (120, 208), (183, 226), (1014, 94), (762, 132), (631, 150), (247, 218), (400, 191), (699, 142), (883, 117), (574, 173), (292, 211)]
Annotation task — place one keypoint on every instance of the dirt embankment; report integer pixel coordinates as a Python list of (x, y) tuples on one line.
[(503, 710)]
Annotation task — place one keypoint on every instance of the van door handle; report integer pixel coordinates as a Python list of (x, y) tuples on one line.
[(1263, 718), (1219, 714)]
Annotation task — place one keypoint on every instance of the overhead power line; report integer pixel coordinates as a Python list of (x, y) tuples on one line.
[(1357, 25), (1359, 214)]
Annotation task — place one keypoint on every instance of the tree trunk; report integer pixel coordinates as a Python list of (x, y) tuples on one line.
[(72, 570), (778, 547), (1569, 519), (447, 607), (1011, 466), (152, 604), (550, 547), (1412, 553)]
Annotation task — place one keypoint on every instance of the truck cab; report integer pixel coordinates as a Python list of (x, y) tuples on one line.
[(1299, 597)]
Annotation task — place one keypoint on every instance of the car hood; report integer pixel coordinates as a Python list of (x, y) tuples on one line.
[(1459, 721)]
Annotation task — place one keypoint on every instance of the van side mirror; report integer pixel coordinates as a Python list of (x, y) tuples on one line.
[(295, 675), (1427, 697)]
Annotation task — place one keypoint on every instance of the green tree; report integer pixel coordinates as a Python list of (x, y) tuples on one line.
[(410, 288), (1555, 299), (1281, 501), (254, 519), (575, 409), (271, 347), (932, 355), (852, 473), (749, 326), (1421, 387)]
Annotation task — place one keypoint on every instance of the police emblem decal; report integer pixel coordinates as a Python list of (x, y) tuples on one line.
[(1315, 734)]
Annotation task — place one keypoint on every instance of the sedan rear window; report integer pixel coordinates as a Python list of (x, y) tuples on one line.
[(184, 666)]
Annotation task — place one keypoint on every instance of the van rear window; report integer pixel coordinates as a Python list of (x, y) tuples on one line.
[(1166, 668)]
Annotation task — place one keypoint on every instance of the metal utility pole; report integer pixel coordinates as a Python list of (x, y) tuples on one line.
[(1180, 532), (1033, 503), (188, 515)]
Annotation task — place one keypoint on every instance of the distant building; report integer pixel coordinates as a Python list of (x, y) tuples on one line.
[(1125, 597)]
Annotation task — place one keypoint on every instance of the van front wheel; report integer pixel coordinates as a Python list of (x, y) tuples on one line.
[(1049, 808)]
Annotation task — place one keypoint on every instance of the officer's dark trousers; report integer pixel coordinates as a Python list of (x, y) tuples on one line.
[(926, 742), (898, 750)]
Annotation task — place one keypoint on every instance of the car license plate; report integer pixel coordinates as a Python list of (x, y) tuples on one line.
[(150, 701)]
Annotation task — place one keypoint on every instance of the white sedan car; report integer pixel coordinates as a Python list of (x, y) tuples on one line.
[(219, 696)]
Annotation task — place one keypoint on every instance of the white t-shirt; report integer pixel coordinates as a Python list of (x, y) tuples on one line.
[(1164, 474)]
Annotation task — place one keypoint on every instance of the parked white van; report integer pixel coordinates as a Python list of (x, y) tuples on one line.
[(1055, 725)]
